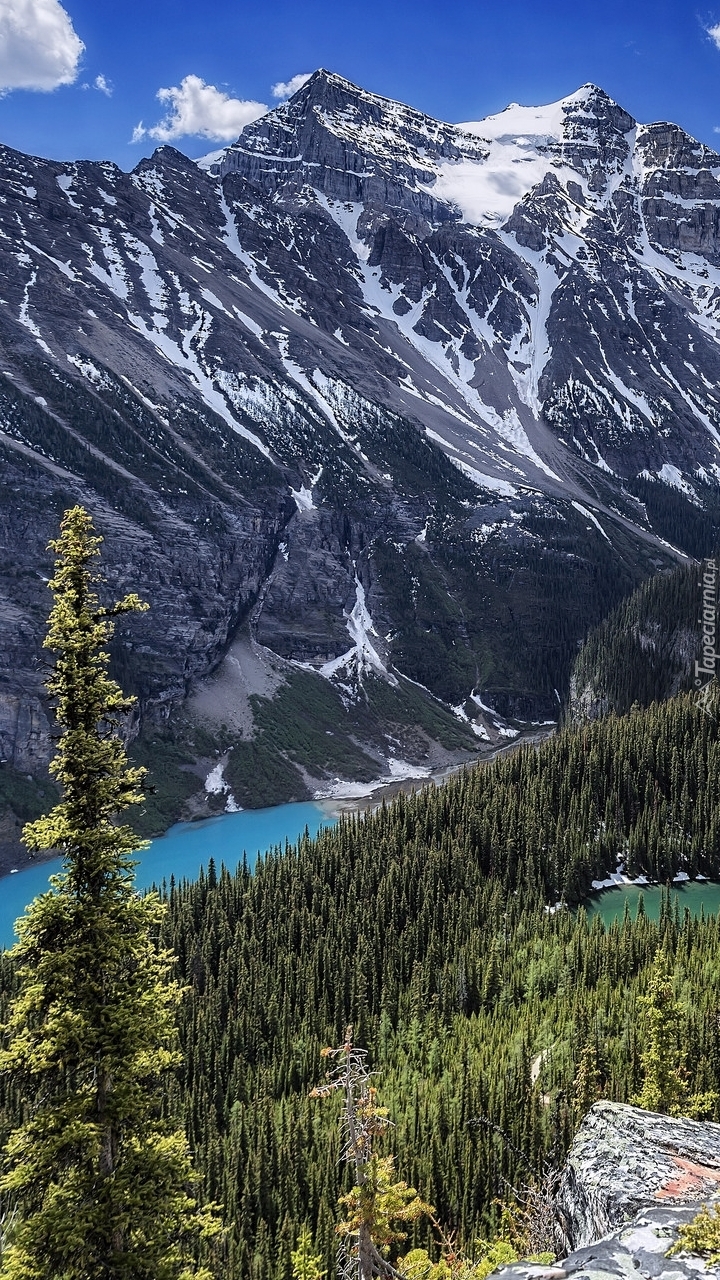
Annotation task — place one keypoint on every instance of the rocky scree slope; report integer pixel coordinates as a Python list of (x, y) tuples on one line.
[(400, 398)]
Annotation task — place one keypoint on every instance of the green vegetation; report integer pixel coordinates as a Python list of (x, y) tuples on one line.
[(665, 1076), (455, 984), (492, 1021), (376, 1207), (305, 1262), (23, 795), (438, 946), (306, 726), (694, 529), (664, 1088), (96, 1182), (587, 1086), (457, 1265), (170, 755), (701, 1236), (644, 650), (644, 789)]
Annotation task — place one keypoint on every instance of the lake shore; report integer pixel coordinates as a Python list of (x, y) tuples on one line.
[(14, 857), (356, 798), (700, 895), (368, 799), (181, 853)]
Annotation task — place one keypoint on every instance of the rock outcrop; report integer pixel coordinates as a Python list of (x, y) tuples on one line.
[(625, 1160), (631, 1179), (639, 1249)]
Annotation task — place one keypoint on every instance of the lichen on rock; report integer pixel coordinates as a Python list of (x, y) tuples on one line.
[(632, 1180)]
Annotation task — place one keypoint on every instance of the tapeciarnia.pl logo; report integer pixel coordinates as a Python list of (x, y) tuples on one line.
[(706, 666)]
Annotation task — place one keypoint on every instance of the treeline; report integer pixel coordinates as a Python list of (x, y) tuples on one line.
[(643, 651), (695, 528), (426, 925), (643, 789), (527, 602)]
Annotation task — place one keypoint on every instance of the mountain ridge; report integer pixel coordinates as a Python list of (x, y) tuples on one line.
[(302, 392)]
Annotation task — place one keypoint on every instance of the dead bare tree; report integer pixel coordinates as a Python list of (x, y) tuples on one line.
[(376, 1202), (535, 1218)]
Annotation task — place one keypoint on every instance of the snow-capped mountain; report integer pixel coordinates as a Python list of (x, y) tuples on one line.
[(552, 265), (408, 398)]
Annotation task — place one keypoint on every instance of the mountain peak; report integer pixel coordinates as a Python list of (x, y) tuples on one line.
[(352, 144), (551, 121), (319, 83), (591, 90), (599, 104), (325, 85)]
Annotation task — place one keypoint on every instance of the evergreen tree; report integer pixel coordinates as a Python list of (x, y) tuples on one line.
[(664, 1085), (100, 1184), (276, 962), (306, 1264), (586, 1088)]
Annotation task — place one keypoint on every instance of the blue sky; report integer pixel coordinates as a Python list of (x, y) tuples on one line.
[(217, 62)]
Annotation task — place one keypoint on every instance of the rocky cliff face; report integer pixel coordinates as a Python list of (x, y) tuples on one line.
[(377, 388)]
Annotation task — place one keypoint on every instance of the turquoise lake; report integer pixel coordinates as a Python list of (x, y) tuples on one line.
[(181, 852), (696, 895), (189, 846)]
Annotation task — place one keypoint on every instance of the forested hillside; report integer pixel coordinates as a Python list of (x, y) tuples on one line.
[(427, 926), (643, 651), (454, 1041)]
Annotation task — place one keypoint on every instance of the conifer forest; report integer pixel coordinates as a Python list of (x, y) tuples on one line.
[(448, 928)]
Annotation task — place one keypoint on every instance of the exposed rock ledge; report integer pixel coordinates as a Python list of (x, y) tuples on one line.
[(632, 1178)]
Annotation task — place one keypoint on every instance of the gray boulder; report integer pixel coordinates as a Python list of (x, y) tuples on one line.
[(639, 1249), (625, 1160), (631, 1180)]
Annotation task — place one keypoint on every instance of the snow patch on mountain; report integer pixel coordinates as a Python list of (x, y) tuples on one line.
[(363, 656), (216, 785), (511, 429), (670, 474), (26, 319), (524, 144), (65, 183), (492, 483), (303, 497), (589, 516), (185, 358), (346, 215)]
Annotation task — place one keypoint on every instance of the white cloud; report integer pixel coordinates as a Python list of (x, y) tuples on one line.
[(200, 109), (39, 48), (104, 85), (714, 34), (286, 88)]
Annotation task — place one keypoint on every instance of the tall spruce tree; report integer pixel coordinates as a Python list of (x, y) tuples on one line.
[(99, 1185), (664, 1084)]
